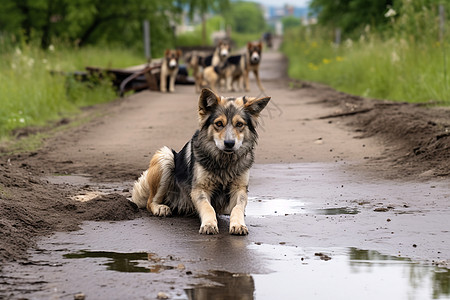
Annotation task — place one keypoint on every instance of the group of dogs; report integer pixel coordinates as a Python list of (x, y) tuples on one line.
[(217, 70), (210, 174)]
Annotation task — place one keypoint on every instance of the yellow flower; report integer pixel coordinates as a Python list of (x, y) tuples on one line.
[(339, 58), (313, 66), (314, 44), (326, 61)]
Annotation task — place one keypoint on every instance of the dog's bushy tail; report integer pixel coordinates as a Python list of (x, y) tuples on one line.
[(141, 191)]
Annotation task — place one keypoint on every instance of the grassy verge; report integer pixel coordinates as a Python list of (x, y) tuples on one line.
[(32, 96), (398, 69)]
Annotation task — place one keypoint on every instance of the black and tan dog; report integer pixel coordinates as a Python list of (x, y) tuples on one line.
[(238, 67), (210, 174), (169, 68), (203, 66)]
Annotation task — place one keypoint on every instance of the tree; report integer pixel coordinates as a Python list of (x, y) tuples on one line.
[(246, 17), (85, 22), (202, 7), (350, 14)]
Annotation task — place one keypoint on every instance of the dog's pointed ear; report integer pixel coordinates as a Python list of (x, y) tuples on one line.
[(249, 45), (179, 53), (207, 102), (166, 52), (256, 105)]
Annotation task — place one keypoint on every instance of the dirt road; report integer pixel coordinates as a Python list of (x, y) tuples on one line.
[(340, 184)]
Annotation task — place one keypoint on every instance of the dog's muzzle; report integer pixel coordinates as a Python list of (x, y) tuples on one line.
[(172, 64), (229, 146), (254, 59), (224, 53)]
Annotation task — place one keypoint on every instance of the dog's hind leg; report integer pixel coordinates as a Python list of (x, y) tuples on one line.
[(159, 177)]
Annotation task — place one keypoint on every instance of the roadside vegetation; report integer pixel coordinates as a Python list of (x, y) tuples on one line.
[(43, 42), (388, 52)]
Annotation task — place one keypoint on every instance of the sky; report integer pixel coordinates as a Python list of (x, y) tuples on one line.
[(299, 3)]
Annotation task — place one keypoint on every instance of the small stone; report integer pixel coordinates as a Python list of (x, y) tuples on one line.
[(381, 209), (79, 296), (162, 295)]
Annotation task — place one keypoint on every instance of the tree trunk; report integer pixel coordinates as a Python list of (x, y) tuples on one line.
[(203, 29)]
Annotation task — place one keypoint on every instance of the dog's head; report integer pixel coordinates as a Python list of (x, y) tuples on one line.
[(230, 123), (254, 52), (172, 57), (224, 49)]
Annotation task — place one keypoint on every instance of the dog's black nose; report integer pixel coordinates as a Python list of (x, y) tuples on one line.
[(228, 144)]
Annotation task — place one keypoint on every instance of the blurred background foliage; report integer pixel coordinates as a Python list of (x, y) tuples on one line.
[(386, 49)]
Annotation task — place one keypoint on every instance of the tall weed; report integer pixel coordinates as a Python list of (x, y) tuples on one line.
[(407, 63), (34, 89)]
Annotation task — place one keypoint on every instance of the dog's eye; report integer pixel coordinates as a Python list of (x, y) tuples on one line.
[(239, 124), (219, 124)]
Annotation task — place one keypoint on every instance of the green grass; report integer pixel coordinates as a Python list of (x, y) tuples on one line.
[(396, 68), (32, 96)]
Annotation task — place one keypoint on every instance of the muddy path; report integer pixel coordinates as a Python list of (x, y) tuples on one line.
[(341, 185)]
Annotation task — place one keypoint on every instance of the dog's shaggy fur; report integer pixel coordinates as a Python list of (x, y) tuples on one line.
[(210, 174)]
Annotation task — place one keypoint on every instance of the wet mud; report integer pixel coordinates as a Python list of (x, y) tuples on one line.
[(304, 242)]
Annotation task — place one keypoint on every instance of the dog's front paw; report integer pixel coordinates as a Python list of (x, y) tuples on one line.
[(209, 228), (161, 210), (238, 229)]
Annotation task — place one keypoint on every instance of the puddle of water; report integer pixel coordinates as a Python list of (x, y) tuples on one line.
[(137, 262), (346, 274), (267, 206), (225, 285), (336, 211)]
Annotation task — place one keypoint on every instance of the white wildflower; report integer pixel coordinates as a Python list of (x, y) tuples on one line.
[(13, 66), (394, 57), (30, 62), (51, 48), (348, 43), (22, 120), (18, 51), (390, 13), (44, 61)]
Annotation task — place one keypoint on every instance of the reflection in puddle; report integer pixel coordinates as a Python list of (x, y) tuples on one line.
[(365, 274), (336, 211), (267, 206), (137, 262), (350, 274), (226, 286)]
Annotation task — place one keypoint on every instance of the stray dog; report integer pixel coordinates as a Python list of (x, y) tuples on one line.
[(169, 68), (204, 67), (213, 74), (220, 53), (210, 174), (238, 67), (198, 63)]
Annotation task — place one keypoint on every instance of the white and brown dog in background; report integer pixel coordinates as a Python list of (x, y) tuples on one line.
[(169, 68)]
